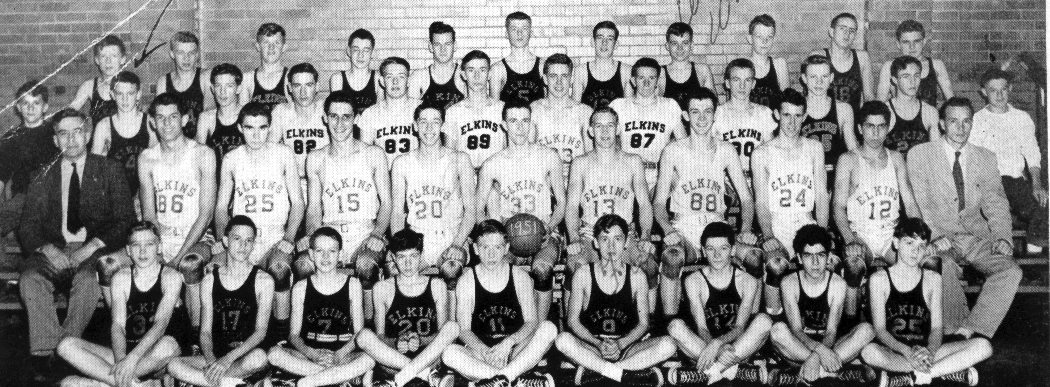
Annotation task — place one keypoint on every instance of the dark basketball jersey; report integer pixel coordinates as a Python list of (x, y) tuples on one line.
[(193, 97), (100, 108), (441, 95), (125, 150), (847, 86), (361, 99), (906, 134), (814, 310), (680, 92), (412, 314), (826, 130), (767, 89), (610, 315), (907, 315), (597, 93), (327, 323), (496, 314), (141, 310), (526, 87), (928, 86), (269, 97), (233, 313), (721, 306), (224, 138)]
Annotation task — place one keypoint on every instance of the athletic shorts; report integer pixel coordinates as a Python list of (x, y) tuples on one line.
[(877, 236), (172, 238), (589, 254), (353, 235), (267, 237), (691, 227), (786, 224), (435, 242)]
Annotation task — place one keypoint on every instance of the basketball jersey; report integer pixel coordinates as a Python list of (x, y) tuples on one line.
[(259, 190), (348, 191), (126, 150), (193, 97), (907, 315), (826, 130), (680, 92), (646, 130), (928, 87), (364, 98), (526, 87), (224, 138), (496, 314), (744, 130), (721, 307), (100, 108), (699, 193), (391, 129), (302, 134), (906, 134), (847, 86), (606, 190), (610, 315), (561, 130), (790, 182), (141, 309), (233, 313), (523, 188), (874, 207), (269, 97), (416, 314), (480, 132), (176, 189), (432, 193), (814, 310), (327, 322), (598, 94), (767, 89), (442, 95)]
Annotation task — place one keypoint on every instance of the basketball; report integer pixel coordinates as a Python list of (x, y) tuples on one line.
[(525, 233)]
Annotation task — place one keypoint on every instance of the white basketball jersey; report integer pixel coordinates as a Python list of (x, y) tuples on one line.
[(607, 190), (646, 130), (561, 130), (744, 131), (259, 190), (523, 188), (876, 200), (302, 134), (391, 128), (790, 183), (432, 193), (480, 131), (176, 189), (348, 191), (701, 186)]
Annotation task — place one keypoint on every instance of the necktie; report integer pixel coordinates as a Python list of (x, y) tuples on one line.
[(959, 185), (73, 223)]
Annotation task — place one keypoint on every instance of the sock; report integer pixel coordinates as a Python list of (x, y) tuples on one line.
[(922, 378), (612, 372), (730, 373)]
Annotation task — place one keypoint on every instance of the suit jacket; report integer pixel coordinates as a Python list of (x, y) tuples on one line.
[(105, 205), (986, 213)]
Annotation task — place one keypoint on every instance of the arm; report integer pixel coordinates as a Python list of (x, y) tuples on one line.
[(465, 310), (34, 211), (993, 198), (207, 345), (677, 128), (222, 201), (397, 195), (83, 94), (205, 170), (579, 81), (205, 85), (357, 315), (313, 179), (836, 301), (205, 125), (879, 291), (843, 176), (747, 286), (291, 183), (416, 83), (758, 168), (782, 68), (244, 93), (640, 287), (264, 298), (936, 333), (172, 289), (497, 78), (557, 184), (295, 323), (820, 183), (574, 198), (641, 196), (119, 313), (696, 293), (440, 300), (736, 175), (100, 137), (147, 194), (382, 296), (944, 80), (466, 190), (162, 84), (581, 288), (524, 289), (667, 176), (846, 122), (485, 181), (865, 75), (884, 87), (918, 179), (911, 207), (704, 73), (625, 79), (789, 294), (381, 176), (335, 82), (930, 118)]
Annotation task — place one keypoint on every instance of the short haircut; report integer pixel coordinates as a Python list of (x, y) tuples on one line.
[(739, 63), (792, 96), (912, 227), (302, 68), (143, 225), (901, 62), (326, 232), (241, 220), (167, 99), (607, 25), (516, 103), (996, 73), (110, 40), (361, 34), (475, 54), (701, 94), (392, 61), (809, 235), (955, 102), (69, 113), (270, 29), (406, 239), (607, 222), (558, 58), (419, 110), (644, 62), (718, 230), (254, 109), (227, 69), (183, 37), (763, 20), (126, 77), (844, 15), (678, 29), (873, 108), (910, 26), (517, 16), (440, 28), (488, 226), (813, 60), (339, 96), (603, 109), (34, 88)]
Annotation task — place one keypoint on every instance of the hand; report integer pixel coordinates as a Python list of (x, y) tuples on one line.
[(920, 358), (574, 248), (646, 246), (285, 246), (1040, 196), (811, 367), (499, 354), (610, 349), (375, 243), (708, 355), (727, 355), (856, 250), (941, 244), (83, 253), (850, 237), (327, 358), (747, 237), (829, 359), (1003, 247), (673, 238), (124, 371), (215, 371)]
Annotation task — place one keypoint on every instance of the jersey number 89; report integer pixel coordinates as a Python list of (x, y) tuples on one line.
[(479, 142)]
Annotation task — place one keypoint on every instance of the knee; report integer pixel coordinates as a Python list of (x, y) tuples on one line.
[(451, 355), (275, 355), (192, 268), (255, 359), (864, 331), (303, 265), (676, 327), (68, 347), (167, 347), (780, 332), (450, 328), (871, 354), (564, 341), (1012, 273), (366, 264), (546, 331), (543, 274), (762, 322), (106, 267), (982, 347), (666, 346)]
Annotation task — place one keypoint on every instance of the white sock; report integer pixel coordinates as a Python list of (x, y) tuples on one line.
[(730, 373), (922, 378)]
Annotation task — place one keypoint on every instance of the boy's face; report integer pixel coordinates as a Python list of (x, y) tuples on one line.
[(491, 248), (32, 108), (558, 79), (761, 39), (908, 79), (604, 127), (303, 87), (360, 53), (442, 46), (910, 251), (270, 47), (476, 74), (874, 129), (604, 42), (818, 78), (645, 79), (143, 248), (428, 125), (741, 81), (340, 120), (814, 260), (239, 243), (395, 81), (701, 115), (717, 250), (408, 261), (109, 59), (225, 89), (519, 126), (998, 92), (325, 254), (126, 95), (611, 243), (680, 47), (912, 43), (844, 32), (256, 131), (791, 117), (185, 56), (168, 122), (519, 32)]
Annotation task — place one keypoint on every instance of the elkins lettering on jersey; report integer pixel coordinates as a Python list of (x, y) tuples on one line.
[(497, 311), (816, 316), (701, 183), (243, 187), (650, 126), (330, 314), (531, 185), (742, 133), (304, 133), (907, 311), (607, 314), (429, 190), (395, 130), (480, 125), (232, 304), (607, 190), (794, 178), (724, 314), (559, 139), (412, 312), (876, 192), (175, 186), (148, 308), (346, 183)]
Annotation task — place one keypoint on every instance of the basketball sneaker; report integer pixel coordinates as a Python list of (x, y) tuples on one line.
[(966, 377), (860, 374), (650, 377), (585, 377), (495, 381), (784, 377), (686, 377), (534, 379), (896, 379)]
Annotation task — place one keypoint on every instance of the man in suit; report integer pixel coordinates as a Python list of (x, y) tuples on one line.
[(961, 197), (77, 208)]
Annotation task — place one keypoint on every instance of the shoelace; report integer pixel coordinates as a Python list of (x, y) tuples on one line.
[(531, 381), (691, 377), (961, 376), (749, 374), (785, 377), (900, 381)]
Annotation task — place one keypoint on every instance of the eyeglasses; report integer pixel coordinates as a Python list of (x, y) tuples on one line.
[(344, 117), (873, 126), (821, 255)]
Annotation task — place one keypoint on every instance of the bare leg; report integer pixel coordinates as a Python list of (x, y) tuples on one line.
[(292, 361), (193, 305), (958, 356), (369, 342), (423, 362), (848, 347), (881, 357), (465, 362), (190, 369), (586, 356), (97, 361), (747, 343), (527, 356), (787, 344), (687, 340), (648, 353), (339, 373)]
